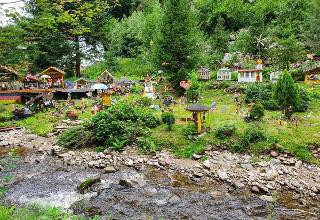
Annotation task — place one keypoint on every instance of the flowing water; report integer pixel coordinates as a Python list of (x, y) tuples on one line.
[(154, 195)]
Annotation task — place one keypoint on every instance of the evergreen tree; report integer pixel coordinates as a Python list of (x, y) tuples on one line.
[(220, 37), (286, 92), (177, 49)]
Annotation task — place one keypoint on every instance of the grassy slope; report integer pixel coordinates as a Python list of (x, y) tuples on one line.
[(34, 212), (295, 140)]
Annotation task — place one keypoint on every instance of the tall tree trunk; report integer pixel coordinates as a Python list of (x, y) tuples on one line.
[(78, 56)]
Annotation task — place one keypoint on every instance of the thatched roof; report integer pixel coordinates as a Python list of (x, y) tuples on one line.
[(52, 69), (106, 77), (314, 71), (198, 108)]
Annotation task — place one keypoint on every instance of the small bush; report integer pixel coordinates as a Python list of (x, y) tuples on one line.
[(304, 101), (121, 125), (144, 102), (76, 138), (192, 94), (253, 134), (168, 119), (225, 131), (190, 130), (147, 144), (271, 105), (315, 94), (256, 113)]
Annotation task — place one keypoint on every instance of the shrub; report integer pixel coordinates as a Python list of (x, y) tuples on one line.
[(258, 92), (76, 138), (256, 113), (286, 92), (190, 130), (168, 119), (147, 144), (253, 134), (271, 105), (304, 100), (192, 94), (225, 131), (121, 125), (144, 102)]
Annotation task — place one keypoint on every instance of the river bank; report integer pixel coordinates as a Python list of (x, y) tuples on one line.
[(225, 185)]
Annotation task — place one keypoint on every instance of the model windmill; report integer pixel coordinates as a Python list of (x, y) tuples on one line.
[(260, 44)]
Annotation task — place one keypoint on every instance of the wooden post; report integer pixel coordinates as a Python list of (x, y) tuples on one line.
[(199, 122)]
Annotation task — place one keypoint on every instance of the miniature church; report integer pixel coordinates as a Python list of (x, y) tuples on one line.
[(251, 75)]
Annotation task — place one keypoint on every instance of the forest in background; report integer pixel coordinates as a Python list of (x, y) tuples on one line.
[(176, 36)]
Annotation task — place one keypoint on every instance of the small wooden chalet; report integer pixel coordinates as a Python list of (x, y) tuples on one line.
[(8, 78), (32, 82), (312, 76), (8, 81), (224, 74), (204, 74), (56, 79), (83, 83), (106, 78)]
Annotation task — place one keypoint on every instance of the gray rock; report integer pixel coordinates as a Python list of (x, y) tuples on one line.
[(255, 189), (274, 153), (222, 175), (174, 199), (274, 162), (247, 166), (271, 174), (126, 183), (109, 169), (196, 156), (207, 164), (129, 162), (298, 164), (239, 185), (266, 198)]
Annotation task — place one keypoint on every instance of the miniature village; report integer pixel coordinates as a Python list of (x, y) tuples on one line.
[(160, 110)]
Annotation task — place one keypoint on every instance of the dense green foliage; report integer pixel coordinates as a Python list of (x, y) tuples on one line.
[(75, 138), (34, 212), (179, 34), (177, 45), (256, 112), (225, 131), (252, 134), (121, 125), (261, 92)]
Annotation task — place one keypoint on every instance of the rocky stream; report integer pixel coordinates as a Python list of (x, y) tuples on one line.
[(128, 185)]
